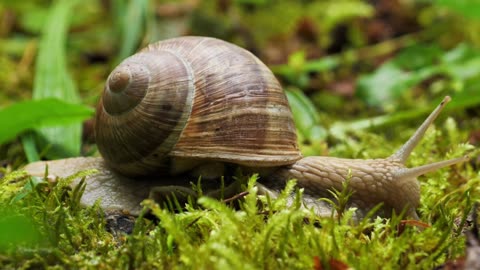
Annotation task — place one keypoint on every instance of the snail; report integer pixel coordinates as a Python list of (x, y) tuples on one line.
[(198, 106)]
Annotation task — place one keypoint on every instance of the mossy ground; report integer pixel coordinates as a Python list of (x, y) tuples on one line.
[(42, 225)]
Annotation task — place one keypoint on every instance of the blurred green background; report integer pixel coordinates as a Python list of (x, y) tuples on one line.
[(345, 64), (359, 75)]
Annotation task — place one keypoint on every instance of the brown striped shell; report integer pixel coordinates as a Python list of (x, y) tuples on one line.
[(193, 98)]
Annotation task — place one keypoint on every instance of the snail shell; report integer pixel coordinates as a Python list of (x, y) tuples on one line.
[(197, 98)]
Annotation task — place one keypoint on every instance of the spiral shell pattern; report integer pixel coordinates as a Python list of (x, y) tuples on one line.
[(193, 98)]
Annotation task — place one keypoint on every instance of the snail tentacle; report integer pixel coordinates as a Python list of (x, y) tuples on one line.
[(404, 152)]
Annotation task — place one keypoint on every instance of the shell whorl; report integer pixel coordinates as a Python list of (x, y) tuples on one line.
[(144, 108), (194, 98), (126, 87)]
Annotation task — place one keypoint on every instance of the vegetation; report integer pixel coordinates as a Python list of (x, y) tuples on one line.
[(359, 76)]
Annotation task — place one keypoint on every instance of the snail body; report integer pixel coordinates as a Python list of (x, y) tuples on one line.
[(189, 103)]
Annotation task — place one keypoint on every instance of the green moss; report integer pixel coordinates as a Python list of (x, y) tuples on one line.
[(262, 232)]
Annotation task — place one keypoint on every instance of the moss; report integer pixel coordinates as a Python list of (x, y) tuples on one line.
[(261, 232)]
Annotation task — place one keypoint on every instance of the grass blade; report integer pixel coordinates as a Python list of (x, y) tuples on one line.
[(53, 80), (133, 25), (29, 147)]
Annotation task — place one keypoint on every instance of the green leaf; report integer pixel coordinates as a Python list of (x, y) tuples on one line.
[(414, 65), (382, 86), (305, 115), (462, 62), (53, 80), (460, 53), (388, 83), (418, 56), (467, 8), (17, 230), (298, 74), (31, 114), (465, 70)]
